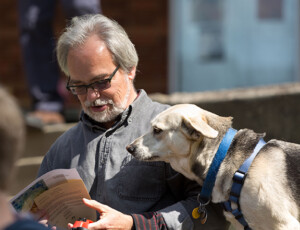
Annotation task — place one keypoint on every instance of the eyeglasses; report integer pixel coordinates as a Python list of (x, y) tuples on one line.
[(98, 85)]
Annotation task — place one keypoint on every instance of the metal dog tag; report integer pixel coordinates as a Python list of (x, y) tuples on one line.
[(203, 216), (195, 213), (200, 213)]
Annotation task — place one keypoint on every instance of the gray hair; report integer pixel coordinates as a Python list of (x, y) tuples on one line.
[(12, 135), (109, 31)]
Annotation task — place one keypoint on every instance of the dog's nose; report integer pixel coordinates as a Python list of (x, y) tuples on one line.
[(130, 148)]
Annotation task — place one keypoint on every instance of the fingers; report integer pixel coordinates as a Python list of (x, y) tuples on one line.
[(43, 222), (40, 215), (42, 218), (94, 226), (95, 205), (109, 217)]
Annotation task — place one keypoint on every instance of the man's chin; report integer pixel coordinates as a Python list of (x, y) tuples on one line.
[(103, 116)]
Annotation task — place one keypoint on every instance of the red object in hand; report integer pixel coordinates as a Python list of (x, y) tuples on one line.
[(82, 223)]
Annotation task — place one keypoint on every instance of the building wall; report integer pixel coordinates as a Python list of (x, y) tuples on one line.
[(273, 110), (145, 22), (231, 44)]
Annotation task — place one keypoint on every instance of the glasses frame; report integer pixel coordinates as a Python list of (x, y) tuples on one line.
[(107, 80)]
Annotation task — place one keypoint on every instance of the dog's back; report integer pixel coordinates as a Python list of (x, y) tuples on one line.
[(292, 161), (272, 187)]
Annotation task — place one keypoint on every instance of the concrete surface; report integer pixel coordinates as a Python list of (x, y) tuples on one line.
[(38, 141)]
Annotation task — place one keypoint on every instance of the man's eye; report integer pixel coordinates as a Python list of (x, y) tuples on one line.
[(157, 130), (79, 88)]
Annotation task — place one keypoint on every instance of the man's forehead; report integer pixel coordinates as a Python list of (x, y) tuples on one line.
[(88, 79), (89, 63)]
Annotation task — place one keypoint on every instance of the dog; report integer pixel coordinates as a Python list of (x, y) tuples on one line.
[(188, 138)]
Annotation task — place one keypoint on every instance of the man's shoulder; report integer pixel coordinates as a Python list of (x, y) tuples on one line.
[(160, 106), (63, 141), (72, 132), (146, 105)]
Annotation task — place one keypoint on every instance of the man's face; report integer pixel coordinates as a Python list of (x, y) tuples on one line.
[(92, 62)]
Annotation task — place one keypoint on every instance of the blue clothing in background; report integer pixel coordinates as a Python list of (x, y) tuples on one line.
[(37, 40)]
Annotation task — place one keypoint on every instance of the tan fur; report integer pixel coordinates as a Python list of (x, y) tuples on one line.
[(188, 137)]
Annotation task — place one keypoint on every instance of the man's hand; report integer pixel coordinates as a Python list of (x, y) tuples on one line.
[(42, 217), (109, 218)]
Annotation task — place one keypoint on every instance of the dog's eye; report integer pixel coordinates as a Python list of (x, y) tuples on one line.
[(157, 130)]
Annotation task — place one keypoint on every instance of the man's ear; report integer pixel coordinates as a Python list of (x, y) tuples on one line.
[(195, 128), (131, 74)]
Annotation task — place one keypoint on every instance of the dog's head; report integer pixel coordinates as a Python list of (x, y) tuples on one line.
[(172, 136)]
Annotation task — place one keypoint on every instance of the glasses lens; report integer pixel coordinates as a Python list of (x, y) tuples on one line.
[(78, 90), (98, 86), (101, 85)]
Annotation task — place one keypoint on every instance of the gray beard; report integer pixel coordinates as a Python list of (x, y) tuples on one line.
[(109, 114)]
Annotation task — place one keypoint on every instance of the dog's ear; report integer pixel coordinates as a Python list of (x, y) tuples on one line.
[(195, 128)]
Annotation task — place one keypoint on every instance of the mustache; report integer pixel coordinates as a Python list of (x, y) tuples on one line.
[(98, 102)]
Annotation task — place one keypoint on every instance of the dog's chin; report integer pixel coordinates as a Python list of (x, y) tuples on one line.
[(147, 158), (152, 158), (140, 155)]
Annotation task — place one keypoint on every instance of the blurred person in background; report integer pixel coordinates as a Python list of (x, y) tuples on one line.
[(12, 135), (37, 40)]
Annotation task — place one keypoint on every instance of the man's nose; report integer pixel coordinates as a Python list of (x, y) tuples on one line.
[(92, 93)]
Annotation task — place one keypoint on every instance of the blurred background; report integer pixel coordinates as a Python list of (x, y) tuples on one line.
[(184, 45), (217, 44), (232, 57), (146, 23)]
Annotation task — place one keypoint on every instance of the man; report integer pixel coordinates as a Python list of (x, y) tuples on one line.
[(36, 19), (100, 62), (11, 139)]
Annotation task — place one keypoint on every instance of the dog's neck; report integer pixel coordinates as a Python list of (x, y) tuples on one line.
[(218, 158), (204, 152), (196, 167), (181, 165)]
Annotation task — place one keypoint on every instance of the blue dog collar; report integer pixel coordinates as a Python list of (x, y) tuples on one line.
[(211, 176), (209, 182)]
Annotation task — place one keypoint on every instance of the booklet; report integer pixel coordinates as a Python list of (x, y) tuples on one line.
[(59, 193)]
